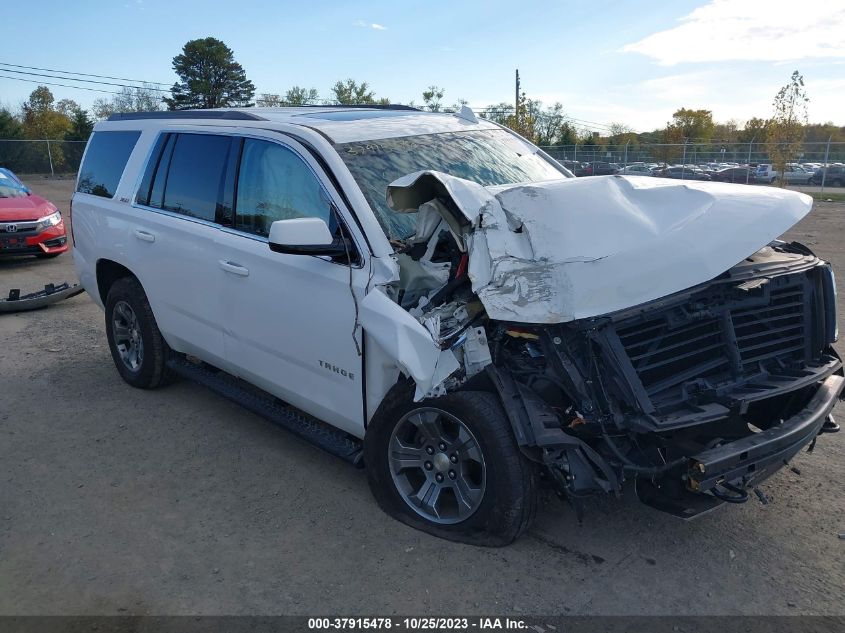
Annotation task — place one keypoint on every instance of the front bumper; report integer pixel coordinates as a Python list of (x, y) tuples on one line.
[(751, 459), (51, 241)]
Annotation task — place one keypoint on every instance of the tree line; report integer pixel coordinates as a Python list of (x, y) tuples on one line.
[(209, 77)]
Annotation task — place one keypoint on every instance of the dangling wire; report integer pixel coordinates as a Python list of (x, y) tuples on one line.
[(351, 289)]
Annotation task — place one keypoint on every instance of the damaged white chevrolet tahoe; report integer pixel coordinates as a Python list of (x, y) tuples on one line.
[(433, 297)]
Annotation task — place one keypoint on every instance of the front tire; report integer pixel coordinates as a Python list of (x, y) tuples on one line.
[(139, 351), (450, 467)]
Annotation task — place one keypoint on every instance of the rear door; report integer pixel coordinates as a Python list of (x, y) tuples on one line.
[(180, 203), (290, 320)]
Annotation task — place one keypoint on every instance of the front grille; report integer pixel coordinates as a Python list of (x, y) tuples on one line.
[(664, 356), (24, 227), (775, 331), (717, 339)]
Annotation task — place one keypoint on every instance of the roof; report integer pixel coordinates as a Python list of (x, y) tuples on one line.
[(341, 124)]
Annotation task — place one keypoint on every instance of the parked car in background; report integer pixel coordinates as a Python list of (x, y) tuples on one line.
[(29, 224), (638, 169), (8, 173), (833, 176), (734, 174), (682, 173), (598, 168), (795, 174), (765, 173), (572, 165)]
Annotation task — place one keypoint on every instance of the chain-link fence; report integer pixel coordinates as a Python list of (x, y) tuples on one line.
[(752, 153), (52, 157), (46, 157)]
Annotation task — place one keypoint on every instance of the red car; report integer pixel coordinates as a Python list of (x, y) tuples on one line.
[(29, 224)]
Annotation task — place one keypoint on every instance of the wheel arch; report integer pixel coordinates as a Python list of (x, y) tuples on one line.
[(109, 271)]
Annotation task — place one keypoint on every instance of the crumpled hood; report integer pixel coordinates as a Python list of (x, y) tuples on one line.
[(570, 249)]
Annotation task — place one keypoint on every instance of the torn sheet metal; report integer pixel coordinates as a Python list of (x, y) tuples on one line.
[(407, 341), (16, 302), (570, 249)]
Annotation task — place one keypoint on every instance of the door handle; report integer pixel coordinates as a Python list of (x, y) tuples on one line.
[(235, 269), (144, 236)]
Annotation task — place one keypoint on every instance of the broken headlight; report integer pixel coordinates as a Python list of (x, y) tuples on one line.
[(831, 327)]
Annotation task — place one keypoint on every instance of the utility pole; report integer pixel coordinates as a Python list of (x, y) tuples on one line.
[(516, 102), (748, 165), (826, 156)]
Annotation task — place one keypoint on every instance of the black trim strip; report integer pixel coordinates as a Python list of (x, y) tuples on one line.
[(230, 115)]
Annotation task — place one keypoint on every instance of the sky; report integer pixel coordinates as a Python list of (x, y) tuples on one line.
[(633, 62)]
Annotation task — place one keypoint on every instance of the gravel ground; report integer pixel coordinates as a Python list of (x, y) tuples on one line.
[(120, 501)]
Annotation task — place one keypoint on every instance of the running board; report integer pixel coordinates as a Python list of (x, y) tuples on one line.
[(319, 433)]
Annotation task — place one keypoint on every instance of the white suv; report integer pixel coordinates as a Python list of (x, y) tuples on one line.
[(433, 297)]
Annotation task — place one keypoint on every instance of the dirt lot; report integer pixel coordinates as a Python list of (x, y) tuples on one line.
[(114, 500)]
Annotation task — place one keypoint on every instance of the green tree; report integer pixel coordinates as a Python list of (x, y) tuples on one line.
[(269, 100), (42, 121), (81, 126), (68, 107), (433, 97), (350, 92), (727, 132), (548, 123), (694, 125), (785, 133), (567, 134), (754, 130), (298, 96), (40, 100), (589, 138), (524, 120), (455, 107), (144, 98), (498, 113), (620, 133), (11, 154), (10, 126), (295, 96), (209, 78), (820, 132)]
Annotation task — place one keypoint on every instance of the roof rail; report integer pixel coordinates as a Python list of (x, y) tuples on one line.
[(232, 115), (365, 106)]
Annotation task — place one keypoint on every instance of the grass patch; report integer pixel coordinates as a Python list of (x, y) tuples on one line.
[(833, 197)]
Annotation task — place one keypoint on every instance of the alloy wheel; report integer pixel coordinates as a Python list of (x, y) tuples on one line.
[(127, 336), (437, 465)]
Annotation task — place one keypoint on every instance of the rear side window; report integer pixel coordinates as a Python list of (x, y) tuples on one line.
[(196, 177), (189, 174), (105, 161)]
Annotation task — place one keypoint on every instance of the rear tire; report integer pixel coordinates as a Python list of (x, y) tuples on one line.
[(450, 467), (138, 349)]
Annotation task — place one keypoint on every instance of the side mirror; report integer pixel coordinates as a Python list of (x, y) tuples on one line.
[(306, 236)]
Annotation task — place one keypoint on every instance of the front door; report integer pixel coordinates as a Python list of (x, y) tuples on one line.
[(290, 320)]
